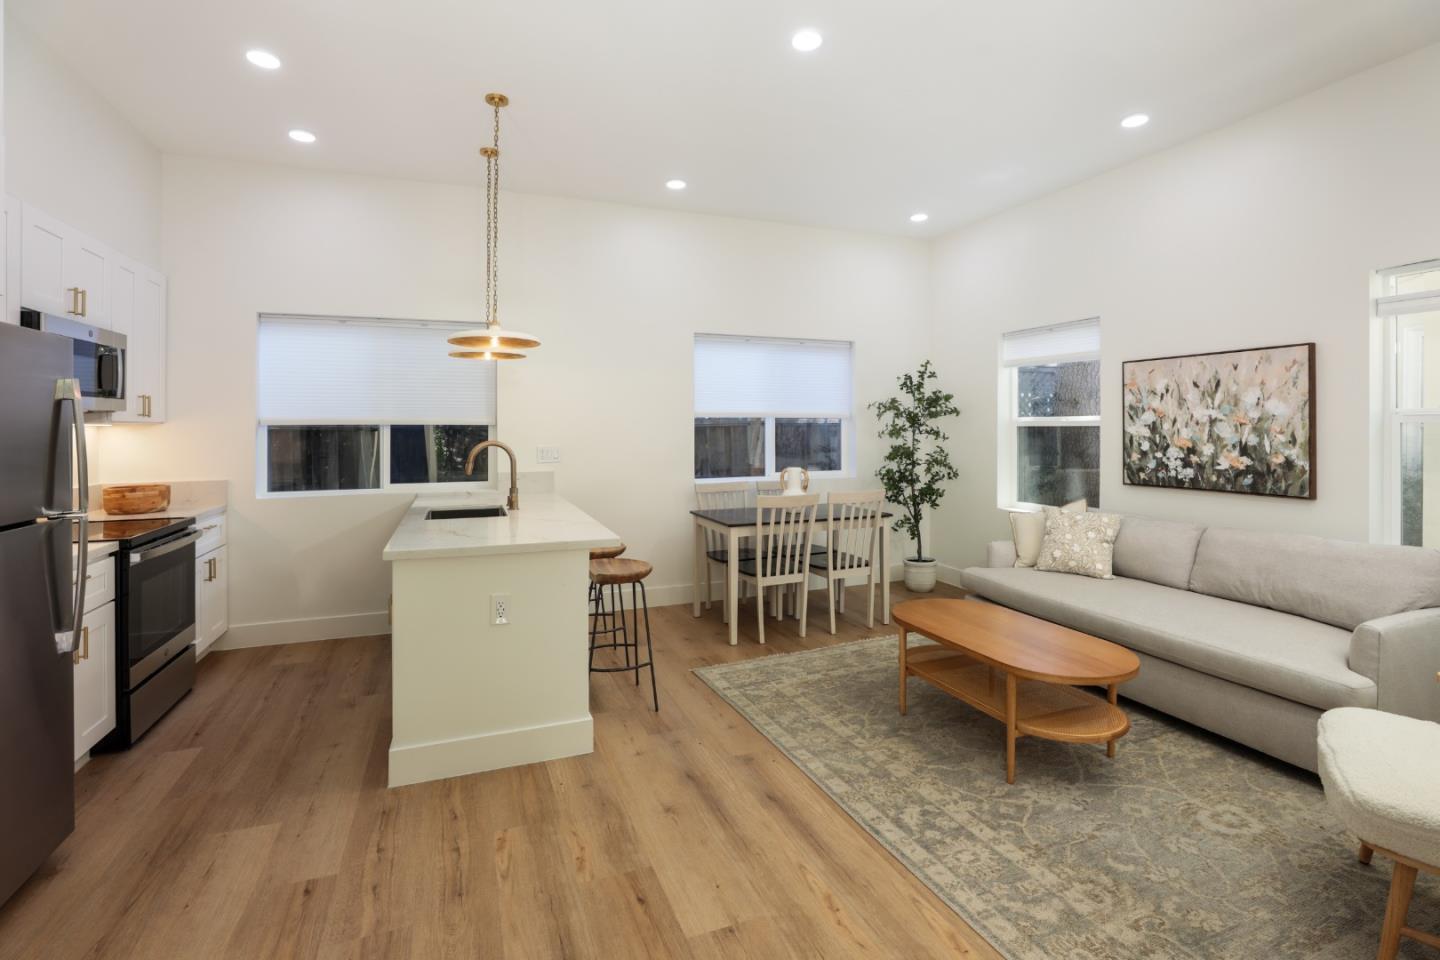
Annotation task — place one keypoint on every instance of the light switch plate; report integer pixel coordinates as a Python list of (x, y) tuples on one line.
[(547, 454)]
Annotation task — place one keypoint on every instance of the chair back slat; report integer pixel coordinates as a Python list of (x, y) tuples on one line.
[(720, 496), (853, 529), (785, 528)]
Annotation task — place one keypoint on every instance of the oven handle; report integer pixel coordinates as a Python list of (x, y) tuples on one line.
[(169, 546)]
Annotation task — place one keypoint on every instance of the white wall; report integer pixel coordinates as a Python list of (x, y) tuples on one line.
[(68, 152), (616, 293), (1262, 233)]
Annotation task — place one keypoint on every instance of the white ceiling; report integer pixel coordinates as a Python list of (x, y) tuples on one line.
[(955, 107)]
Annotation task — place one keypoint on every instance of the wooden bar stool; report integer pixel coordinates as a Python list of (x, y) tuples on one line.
[(595, 597), (615, 572)]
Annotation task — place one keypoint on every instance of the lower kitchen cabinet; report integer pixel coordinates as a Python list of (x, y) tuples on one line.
[(212, 599), (94, 660)]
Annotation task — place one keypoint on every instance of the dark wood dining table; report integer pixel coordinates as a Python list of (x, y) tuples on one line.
[(738, 523)]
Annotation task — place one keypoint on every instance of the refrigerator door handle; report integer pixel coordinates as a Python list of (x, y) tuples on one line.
[(67, 390)]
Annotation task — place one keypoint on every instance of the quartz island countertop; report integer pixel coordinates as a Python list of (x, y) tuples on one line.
[(543, 523)]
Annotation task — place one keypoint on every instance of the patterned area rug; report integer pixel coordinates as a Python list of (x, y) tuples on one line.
[(1184, 846)]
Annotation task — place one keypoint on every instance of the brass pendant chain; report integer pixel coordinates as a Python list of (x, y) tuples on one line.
[(492, 214)]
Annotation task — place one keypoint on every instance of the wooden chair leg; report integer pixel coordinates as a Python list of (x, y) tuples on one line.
[(830, 596), (1402, 885), (709, 579), (870, 599), (760, 609), (802, 600), (841, 582)]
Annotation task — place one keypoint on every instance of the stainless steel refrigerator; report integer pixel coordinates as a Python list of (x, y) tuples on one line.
[(41, 596)]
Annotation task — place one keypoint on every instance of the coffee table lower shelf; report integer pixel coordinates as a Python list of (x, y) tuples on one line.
[(1049, 711)]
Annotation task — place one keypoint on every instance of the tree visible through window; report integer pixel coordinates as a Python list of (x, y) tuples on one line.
[(1050, 435)]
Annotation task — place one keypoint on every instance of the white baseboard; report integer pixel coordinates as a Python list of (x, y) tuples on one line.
[(419, 762), (276, 632)]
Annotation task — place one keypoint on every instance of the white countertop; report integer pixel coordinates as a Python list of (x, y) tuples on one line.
[(188, 498), (101, 549), (543, 523)]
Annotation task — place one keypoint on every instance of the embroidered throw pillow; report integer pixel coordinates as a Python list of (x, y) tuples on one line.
[(1082, 543), (1028, 530)]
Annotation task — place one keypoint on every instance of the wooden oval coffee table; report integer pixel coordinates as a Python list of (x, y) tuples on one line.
[(1041, 666)]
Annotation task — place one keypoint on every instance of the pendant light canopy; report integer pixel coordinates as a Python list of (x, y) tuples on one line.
[(492, 341)]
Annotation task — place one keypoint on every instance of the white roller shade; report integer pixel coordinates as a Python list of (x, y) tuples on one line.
[(368, 371), (759, 377), (1060, 343)]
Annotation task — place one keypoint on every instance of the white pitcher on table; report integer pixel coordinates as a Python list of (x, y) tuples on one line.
[(794, 481)]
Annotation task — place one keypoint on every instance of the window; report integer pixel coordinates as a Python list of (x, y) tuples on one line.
[(1409, 307), (354, 404), (762, 405), (1049, 449)]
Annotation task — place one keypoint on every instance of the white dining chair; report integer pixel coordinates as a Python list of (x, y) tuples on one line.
[(785, 531), (720, 496), (768, 488), (852, 539)]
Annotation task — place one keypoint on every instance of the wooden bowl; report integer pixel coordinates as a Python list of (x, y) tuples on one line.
[(136, 498)]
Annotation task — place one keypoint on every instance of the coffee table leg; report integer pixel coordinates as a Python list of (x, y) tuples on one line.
[(1009, 728), (904, 670), (1114, 694)]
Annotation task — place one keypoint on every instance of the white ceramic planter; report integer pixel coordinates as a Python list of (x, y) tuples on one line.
[(920, 575)]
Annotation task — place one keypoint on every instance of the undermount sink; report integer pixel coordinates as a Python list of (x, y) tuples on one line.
[(465, 513)]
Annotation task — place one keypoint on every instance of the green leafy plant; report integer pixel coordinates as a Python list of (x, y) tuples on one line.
[(917, 464)]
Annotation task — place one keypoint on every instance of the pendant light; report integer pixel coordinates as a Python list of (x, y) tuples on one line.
[(492, 341)]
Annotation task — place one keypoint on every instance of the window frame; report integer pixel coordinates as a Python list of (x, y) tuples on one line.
[(262, 465), (1007, 477), (1386, 310), (772, 468)]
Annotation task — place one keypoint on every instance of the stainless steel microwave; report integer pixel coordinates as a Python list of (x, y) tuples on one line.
[(99, 357)]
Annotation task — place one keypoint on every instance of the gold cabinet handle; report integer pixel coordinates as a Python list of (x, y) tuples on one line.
[(84, 303), (76, 656), (211, 572), (74, 300), (145, 400)]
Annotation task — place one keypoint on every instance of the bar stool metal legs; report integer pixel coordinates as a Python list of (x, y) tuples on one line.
[(609, 621)]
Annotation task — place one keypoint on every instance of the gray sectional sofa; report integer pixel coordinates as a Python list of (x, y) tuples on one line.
[(1250, 635)]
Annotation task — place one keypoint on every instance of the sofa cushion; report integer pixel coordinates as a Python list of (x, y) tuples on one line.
[(1284, 655), (1333, 581), (1160, 551)]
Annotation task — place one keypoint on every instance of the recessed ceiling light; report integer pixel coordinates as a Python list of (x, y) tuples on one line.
[(1135, 120), (263, 59), (919, 217), (302, 136), (675, 184), (806, 41)]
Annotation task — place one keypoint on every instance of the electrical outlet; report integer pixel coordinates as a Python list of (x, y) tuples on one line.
[(500, 609), (547, 454)]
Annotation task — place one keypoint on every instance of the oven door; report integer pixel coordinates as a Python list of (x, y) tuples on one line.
[(159, 605)]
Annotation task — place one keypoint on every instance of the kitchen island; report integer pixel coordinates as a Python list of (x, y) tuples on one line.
[(470, 693)]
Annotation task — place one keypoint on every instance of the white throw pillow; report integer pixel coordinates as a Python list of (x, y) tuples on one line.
[(1082, 543), (1028, 530)]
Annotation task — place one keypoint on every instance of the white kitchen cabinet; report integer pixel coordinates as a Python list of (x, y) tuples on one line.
[(212, 599), (137, 309), (10, 259), (62, 271), (94, 662)]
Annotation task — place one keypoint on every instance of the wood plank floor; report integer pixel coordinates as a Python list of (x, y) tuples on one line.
[(254, 821)]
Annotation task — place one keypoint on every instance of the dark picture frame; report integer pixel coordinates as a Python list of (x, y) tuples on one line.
[(1225, 421)]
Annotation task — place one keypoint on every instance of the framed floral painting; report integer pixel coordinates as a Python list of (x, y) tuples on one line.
[(1237, 422)]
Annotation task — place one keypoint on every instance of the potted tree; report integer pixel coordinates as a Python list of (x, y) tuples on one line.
[(917, 463)]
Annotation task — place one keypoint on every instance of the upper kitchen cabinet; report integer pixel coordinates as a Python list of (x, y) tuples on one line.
[(62, 270), (137, 309), (9, 260)]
